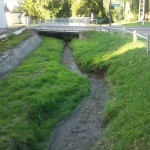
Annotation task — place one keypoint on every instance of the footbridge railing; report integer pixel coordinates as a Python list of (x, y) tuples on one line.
[(66, 25)]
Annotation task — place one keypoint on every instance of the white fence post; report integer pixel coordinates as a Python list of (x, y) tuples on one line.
[(123, 32), (134, 36), (100, 28), (111, 31), (148, 44)]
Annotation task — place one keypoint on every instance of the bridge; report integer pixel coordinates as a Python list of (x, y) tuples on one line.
[(73, 25)]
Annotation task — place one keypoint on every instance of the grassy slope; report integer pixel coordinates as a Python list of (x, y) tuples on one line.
[(14, 40), (127, 114), (37, 95)]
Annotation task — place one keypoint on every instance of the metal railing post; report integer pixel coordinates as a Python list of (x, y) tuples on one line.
[(123, 32), (148, 44), (100, 28), (134, 36), (111, 31)]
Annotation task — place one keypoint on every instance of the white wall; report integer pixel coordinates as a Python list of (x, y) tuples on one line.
[(3, 23), (16, 18), (13, 18)]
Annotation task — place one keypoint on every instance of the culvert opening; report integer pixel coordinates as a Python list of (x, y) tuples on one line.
[(66, 36)]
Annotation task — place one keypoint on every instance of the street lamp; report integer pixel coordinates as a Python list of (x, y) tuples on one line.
[(110, 13), (120, 12), (143, 12)]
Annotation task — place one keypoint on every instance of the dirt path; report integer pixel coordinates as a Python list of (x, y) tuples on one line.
[(83, 128)]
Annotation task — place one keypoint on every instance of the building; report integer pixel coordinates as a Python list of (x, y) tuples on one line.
[(9, 17), (3, 23)]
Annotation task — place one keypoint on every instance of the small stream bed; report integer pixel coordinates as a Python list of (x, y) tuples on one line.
[(84, 127)]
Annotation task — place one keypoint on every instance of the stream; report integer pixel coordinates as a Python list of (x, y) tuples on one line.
[(82, 130)]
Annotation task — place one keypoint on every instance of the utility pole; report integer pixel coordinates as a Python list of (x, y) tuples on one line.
[(110, 18), (142, 11), (120, 12)]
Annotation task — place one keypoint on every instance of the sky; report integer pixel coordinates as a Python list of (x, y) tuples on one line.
[(11, 4)]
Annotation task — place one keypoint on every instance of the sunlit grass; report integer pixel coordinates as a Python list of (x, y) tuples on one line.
[(127, 114), (36, 96)]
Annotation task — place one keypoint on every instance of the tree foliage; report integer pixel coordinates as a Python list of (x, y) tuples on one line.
[(35, 9), (59, 8), (43, 9), (86, 7)]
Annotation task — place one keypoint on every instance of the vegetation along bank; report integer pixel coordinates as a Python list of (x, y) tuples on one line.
[(127, 114), (37, 95)]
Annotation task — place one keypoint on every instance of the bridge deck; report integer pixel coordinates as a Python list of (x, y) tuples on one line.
[(65, 28), (67, 25)]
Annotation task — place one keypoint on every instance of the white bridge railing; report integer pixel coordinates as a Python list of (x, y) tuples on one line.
[(66, 25), (124, 31)]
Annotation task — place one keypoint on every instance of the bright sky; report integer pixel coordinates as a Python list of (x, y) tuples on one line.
[(11, 4)]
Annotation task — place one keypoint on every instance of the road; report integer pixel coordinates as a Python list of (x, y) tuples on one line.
[(145, 31)]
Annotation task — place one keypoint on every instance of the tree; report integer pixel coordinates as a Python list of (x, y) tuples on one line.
[(134, 4), (66, 9), (86, 7), (35, 9), (43, 9), (54, 6), (79, 8)]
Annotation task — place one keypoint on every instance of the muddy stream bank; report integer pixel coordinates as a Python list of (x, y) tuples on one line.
[(84, 127)]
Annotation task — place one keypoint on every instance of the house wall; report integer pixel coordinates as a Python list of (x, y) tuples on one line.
[(12, 18), (16, 18)]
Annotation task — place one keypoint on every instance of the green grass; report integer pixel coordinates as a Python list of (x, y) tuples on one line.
[(36, 96), (127, 114), (132, 24), (14, 40)]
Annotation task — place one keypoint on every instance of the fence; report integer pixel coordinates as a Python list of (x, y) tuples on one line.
[(71, 21), (66, 25), (134, 34)]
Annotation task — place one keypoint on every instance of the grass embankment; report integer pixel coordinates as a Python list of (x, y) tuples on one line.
[(37, 95), (127, 114), (14, 40)]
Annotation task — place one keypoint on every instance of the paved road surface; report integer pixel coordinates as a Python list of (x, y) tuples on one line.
[(145, 31), (15, 32)]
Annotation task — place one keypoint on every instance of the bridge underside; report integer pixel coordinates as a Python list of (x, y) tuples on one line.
[(67, 36)]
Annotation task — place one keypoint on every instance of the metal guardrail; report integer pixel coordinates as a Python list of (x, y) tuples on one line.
[(61, 28), (85, 20), (71, 20), (134, 33), (124, 30), (66, 25)]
